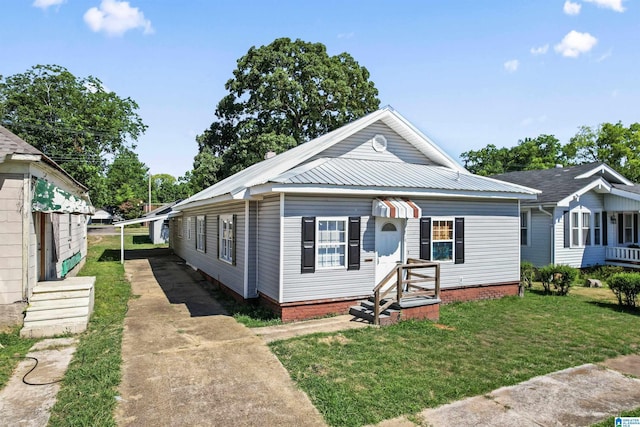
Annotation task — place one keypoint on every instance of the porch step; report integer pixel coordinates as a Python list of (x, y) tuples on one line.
[(59, 307), (365, 311)]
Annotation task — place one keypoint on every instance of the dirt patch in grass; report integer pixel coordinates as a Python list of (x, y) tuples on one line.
[(334, 339)]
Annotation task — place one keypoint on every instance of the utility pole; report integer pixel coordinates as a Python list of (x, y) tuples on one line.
[(149, 206)]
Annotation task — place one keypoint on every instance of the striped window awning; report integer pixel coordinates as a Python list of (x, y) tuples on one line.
[(395, 208)]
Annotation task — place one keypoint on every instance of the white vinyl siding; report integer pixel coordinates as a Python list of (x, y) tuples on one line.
[(358, 146), (179, 227), (327, 283), (230, 275), (578, 256), (11, 239), (268, 247), (538, 251)]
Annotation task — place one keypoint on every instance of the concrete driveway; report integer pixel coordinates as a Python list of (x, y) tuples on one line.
[(186, 363)]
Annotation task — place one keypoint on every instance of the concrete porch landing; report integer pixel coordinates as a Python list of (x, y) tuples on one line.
[(59, 307)]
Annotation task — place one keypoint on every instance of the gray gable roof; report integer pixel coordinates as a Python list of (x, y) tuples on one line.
[(11, 144), (269, 171), (559, 183), (380, 174)]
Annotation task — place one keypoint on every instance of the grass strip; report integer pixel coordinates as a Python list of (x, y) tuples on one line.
[(88, 393), (368, 375), (13, 348)]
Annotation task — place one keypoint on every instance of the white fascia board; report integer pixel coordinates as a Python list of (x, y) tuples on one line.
[(204, 202), (387, 191), (625, 194), (607, 169), (600, 185), (140, 220), (20, 157)]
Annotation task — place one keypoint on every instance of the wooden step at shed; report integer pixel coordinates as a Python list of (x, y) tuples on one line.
[(59, 307)]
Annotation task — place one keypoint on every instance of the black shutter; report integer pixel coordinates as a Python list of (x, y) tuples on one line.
[(605, 232), (354, 243), (567, 229), (458, 231), (635, 228), (234, 240), (308, 245), (425, 238), (620, 228)]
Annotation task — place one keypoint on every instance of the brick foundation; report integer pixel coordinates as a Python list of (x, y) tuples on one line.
[(293, 311), (430, 312), (303, 310), (474, 293)]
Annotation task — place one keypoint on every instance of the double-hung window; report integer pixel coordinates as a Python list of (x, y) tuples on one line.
[(331, 242), (189, 228), (442, 240), (580, 228), (524, 228), (597, 228), (226, 241), (200, 233), (627, 221)]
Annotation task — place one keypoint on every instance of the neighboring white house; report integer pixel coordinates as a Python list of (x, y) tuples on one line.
[(316, 228), (101, 216), (43, 222), (586, 215)]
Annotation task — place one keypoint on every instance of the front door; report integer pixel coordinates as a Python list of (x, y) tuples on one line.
[(389, 245)]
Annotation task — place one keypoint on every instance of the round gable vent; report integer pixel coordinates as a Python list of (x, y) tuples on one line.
[(379, 143)]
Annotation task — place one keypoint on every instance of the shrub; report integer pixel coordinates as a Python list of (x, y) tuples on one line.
[(527, 274), (560, 276), (626, 287), (601, 272)]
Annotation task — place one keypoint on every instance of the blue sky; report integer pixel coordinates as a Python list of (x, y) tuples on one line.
[(467, 73)]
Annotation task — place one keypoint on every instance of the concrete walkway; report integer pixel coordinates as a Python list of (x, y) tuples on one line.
[(306, 327), (186, 363), (29, 405)]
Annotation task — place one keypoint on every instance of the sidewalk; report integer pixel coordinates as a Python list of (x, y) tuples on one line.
[(186, 363)]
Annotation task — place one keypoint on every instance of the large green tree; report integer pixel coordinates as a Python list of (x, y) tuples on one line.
[(542, 152), (281, 95), (614, 144), (166, 188), (73, 120), (127, 184)]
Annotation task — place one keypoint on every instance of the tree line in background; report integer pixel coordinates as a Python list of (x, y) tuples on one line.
[(281, 95), (89, 131), (614, 144)]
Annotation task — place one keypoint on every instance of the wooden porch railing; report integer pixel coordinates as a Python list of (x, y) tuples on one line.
[(409, 285)]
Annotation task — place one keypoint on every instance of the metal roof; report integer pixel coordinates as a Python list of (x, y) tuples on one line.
[(379, 174), (266, 170)]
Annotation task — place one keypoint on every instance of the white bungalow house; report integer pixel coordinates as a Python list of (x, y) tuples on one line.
[(43, 242), (319, 227), (586, 215)]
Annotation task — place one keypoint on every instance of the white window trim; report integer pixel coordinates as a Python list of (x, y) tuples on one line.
[(528, 226), (580, 228), (624, 228), (188, 228), (225, 218), (201, 233), (453, 239), (346, 242)]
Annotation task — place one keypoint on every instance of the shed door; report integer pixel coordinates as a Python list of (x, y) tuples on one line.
[(389, 245)]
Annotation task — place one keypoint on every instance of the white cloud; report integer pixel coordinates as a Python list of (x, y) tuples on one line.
[(116, 18), (346, 35), (45, 4), (512, 65), (571, 8), (575, 43), (604, 56), (608, 4), (539, 50)]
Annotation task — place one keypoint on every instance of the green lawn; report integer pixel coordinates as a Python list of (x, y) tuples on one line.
[(367, 375), (12, 348), (89, 388)]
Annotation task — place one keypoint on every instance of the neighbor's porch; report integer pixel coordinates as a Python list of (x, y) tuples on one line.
[(623, 248)]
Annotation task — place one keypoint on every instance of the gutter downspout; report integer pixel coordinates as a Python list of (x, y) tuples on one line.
[(553, 234)]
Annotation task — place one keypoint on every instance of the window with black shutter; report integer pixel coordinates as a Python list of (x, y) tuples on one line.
[(308, 245), (354, 244)]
